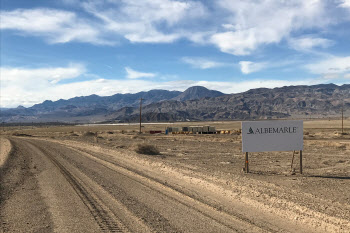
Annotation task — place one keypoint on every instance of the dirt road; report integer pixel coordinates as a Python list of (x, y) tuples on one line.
[(53, 186)]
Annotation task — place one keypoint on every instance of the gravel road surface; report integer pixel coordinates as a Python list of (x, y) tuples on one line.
[(48, 186)]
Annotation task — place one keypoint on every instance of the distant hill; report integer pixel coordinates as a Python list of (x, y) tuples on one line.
[(197, 92), (109, 103), (94, 107), (262, 103), (194, 104)]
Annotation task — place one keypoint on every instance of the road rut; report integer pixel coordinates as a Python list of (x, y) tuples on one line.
[(87, 191)]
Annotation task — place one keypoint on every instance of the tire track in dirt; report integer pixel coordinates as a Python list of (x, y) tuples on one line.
[(104, 217), (242, 224), (231, 223), (233, 220), (282, 203), (21, 206)]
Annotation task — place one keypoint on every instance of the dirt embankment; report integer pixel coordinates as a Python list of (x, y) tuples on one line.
[(5, 148)]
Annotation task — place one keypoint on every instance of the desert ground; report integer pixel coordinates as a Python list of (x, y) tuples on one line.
[(89, 178)]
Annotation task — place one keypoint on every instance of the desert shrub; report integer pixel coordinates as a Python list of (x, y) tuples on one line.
[(147, 149), (110, 132), (21, 134), (138, 137), (89, 134), (74, 135)]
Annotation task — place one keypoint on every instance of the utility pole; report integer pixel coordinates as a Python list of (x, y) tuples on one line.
[(342, 113), (342, 118), (140, 112)]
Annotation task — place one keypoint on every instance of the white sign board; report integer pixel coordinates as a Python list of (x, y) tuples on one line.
[(259, 136)]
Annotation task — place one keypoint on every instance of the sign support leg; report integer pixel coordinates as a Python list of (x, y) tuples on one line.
[(246, 163), (301, 162), (291, 166)]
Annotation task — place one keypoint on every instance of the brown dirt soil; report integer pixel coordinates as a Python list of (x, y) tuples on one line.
[(5, 148), (209, 168)]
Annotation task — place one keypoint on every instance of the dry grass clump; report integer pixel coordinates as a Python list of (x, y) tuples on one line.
[(21, 134), (138, 137), (147, 149), (89, 134)]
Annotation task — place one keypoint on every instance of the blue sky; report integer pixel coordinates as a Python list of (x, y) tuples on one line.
[(67, 48)]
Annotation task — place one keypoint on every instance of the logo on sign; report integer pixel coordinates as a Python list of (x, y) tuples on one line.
[(273, 130), (250, 131)]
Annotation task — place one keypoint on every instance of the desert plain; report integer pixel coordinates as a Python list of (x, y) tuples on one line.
[(90, 178)]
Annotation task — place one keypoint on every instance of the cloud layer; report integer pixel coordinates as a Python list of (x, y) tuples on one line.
[(31, 86), (242, 28), (56, 26)]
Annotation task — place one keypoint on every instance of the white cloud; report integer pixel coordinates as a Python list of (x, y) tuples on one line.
[(22, 86), (345, 4), (241, 42), (330, 65), (251, 24), (308, 42), (329, 76), (145, 21), (203, 63), (57, 26), (34, 78), (31, 86), (133, 74), (347, 76), (242, 28), (248, 67)]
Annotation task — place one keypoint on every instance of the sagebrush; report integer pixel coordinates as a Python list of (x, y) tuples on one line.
[(147, 149)]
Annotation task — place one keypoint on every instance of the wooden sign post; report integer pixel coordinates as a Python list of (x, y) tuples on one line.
[(301, 162), (246, 168)]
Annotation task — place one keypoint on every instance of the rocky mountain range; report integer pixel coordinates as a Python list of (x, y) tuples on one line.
[(94, 107), (263, 103), (194, 104)]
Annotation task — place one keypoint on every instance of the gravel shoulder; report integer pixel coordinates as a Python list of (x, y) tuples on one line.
[(5, 148), (21, 206)]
